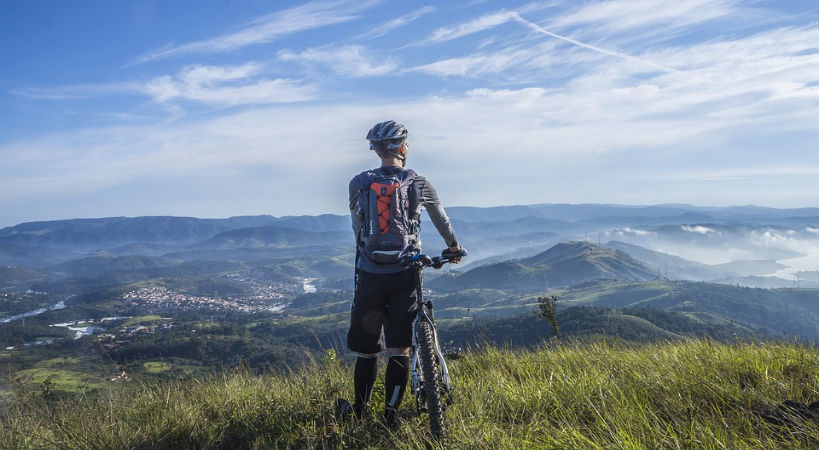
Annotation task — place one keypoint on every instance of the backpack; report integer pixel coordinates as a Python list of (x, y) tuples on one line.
[(389, 214)]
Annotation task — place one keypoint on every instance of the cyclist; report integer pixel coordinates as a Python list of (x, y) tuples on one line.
[(385, 290)]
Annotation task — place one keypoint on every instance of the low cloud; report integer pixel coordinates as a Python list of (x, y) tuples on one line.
[(699, 229)]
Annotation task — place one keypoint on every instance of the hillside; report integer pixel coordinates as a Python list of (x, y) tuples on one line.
[(562, 265), (597, 395), (580, 322), (12, 276), (770, 312), (271, 237)]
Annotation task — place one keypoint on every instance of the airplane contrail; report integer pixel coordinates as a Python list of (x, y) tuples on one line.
[(515, 16)]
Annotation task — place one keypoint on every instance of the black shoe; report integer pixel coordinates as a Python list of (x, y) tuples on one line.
[(390, 416), (393, 417), (344, 409)]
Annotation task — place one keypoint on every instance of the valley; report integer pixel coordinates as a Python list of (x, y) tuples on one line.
[(119, 299)]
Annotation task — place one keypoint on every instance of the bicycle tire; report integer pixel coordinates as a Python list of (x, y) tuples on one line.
[(432, 380)]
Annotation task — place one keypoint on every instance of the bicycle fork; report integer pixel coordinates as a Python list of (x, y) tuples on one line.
[(416, 374)]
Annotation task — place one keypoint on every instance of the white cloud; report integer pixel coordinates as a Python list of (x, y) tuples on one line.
[(474, 65), (217, 85), (352, 60), (699, 229), (629, 231), (482, 23), (398, 22), (214, 85), (77, 91), (733, 173), (617, 16), (270, 27), (537, 28)]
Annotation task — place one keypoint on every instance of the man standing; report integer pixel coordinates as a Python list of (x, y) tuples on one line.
[(385, 204)]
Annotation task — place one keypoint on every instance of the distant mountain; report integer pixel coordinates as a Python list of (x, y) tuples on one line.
[(585, 212), (272, 237), (765, 311), (753, 267), (562, 265), (138, 249), (669, 266), (112, 231), (490, 234), (22, 255), (323, 222), (763, 282), (675, 267), (122, 231), (95, 266)]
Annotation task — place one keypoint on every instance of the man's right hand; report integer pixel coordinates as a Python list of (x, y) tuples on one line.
[(454, 254)]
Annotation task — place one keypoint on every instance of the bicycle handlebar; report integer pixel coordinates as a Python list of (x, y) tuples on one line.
[(436, 262)]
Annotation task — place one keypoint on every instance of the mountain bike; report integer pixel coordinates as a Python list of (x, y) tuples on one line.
[(431, 381)]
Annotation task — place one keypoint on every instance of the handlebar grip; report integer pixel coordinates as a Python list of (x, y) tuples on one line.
[(406, 260), (446, 254)]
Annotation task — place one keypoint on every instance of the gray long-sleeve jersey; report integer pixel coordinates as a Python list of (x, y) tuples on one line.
[(426, 195)]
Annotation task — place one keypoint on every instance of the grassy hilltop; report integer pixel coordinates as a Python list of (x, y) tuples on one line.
[(594, 394)]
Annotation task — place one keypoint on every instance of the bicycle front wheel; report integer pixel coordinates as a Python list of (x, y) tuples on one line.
[(432, 380)]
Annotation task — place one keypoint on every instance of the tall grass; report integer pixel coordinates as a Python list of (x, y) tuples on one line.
[(696, 394)]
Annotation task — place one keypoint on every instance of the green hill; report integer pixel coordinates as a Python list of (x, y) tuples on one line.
[(595, 395), (94, 266), (271, 237), (562, 265), (766, 311), (580, 322), (20, 277)]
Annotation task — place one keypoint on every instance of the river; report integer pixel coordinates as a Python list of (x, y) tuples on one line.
[(54, 307)]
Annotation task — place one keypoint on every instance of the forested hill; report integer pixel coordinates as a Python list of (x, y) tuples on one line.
[(563, 265)]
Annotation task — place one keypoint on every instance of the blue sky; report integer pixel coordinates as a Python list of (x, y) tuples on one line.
[(213, 109)]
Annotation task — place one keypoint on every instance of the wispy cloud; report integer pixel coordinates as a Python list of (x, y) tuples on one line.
[(227, 86), (478, 65), (537, 28), (77, 91), (270, 27), (399, 22), (617, 16), (213, 85), (352, 60), (473, 26), (502, 17)]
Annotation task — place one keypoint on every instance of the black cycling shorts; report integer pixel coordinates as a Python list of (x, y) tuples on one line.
[(382, 300)]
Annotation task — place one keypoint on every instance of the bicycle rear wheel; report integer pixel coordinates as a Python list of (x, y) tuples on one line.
[(432, 380)]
